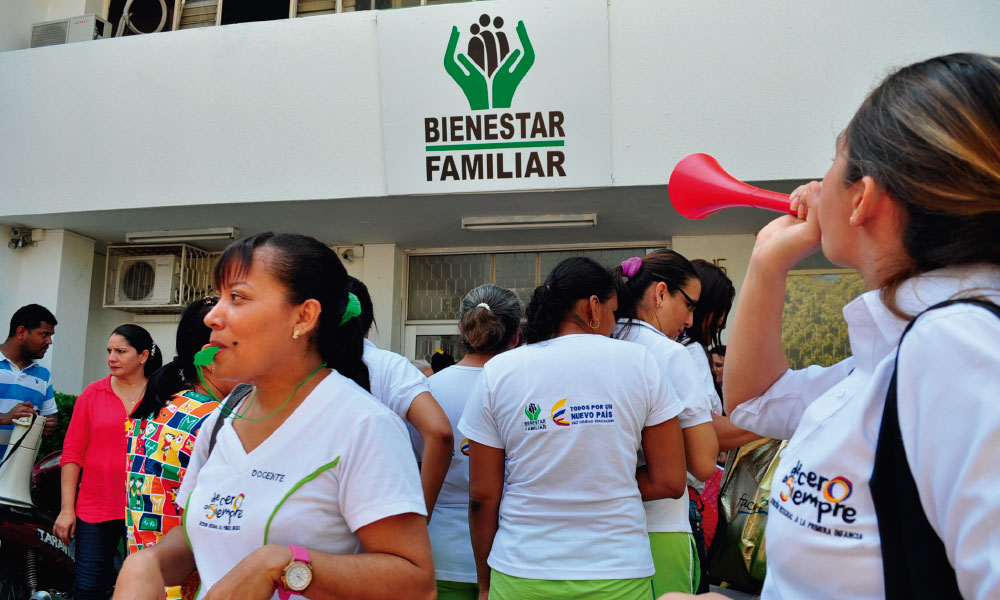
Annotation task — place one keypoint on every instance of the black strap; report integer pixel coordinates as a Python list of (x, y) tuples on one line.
[(12, 449), (235, 397), (914, 561)]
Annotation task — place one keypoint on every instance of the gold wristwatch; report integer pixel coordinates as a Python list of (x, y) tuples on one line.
[(297, 575)]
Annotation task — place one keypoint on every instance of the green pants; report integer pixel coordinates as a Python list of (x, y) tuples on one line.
[(457, 590), (675, 558), (507, 587)]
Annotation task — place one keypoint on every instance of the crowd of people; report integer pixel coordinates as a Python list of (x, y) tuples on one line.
[(281, 452)]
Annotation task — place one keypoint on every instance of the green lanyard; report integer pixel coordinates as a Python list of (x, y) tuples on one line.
[(205, 357)]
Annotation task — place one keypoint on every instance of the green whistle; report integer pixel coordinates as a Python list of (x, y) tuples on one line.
[(205, 356)]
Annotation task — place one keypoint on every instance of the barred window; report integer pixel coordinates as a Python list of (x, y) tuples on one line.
[(437, 283)]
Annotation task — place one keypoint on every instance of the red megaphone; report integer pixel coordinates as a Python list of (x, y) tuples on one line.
[(699, 186)]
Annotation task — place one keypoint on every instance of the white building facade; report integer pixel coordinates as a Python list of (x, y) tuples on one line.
[(392, 135)]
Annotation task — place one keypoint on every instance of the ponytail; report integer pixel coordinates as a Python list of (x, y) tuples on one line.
[(573, 279), (162, 384), (342, 347)]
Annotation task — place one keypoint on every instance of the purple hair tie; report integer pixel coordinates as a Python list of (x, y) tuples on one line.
[(630, 266)]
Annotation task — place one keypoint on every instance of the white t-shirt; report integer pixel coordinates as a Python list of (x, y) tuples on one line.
[(394, 381), (822, 533), (337, 447), (449, 526), (569, 414), (707, 378), (670, 514), (705, 375)]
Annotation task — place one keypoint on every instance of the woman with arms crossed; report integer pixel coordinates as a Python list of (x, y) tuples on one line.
[(299, 480), (555, 434), (912, 202), (657, 295)]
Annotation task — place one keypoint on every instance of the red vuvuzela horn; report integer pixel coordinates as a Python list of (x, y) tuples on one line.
[(699, 186)]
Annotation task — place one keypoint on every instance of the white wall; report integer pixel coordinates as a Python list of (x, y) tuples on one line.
[(729, 251), (290, 109), (62, 9), (10, 272), (99, 326), (382, 274), (253, 112), (16, 17), (764, 86), (56, 273), (72, 308)]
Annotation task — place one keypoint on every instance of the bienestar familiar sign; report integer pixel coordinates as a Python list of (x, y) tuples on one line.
[(494, 96)]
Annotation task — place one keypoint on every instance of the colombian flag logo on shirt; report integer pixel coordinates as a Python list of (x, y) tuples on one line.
[(559, 416)]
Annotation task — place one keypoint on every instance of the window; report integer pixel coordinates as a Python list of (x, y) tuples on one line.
[(436, 284), (813, 330), (207, 13), (305, 8)]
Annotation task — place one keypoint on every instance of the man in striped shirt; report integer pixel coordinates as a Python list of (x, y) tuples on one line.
[(24, 384)]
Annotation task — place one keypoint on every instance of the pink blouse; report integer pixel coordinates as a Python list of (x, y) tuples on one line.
[(95, 440)]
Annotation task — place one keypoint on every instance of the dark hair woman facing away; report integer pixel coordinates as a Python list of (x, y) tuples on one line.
[(555, 431)]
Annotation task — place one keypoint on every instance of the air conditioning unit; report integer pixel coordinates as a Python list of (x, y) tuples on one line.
[(156, 278), (147, 280), (65, 31)]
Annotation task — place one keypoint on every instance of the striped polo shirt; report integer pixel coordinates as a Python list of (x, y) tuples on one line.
[(30, 384)]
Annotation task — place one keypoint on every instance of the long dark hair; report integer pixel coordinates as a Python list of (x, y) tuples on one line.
[(489, 319), (139, 338), (660, 265), (715, 302), (572, 279), (308, 270), (928, 135), (178, 374)]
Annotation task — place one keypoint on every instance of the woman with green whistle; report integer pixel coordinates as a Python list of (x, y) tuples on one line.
[(300, 493)]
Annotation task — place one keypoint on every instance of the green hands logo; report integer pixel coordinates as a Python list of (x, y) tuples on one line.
[(532, 411), (494, 71)]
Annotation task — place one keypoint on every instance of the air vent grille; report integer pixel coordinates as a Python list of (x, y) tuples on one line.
[(49, 34)]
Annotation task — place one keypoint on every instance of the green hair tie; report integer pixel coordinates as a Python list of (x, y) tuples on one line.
[(353, 308)]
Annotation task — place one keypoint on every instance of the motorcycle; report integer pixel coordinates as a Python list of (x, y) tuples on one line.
[(34, 563)]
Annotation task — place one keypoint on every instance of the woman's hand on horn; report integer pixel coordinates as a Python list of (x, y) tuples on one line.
[(785, 241)]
